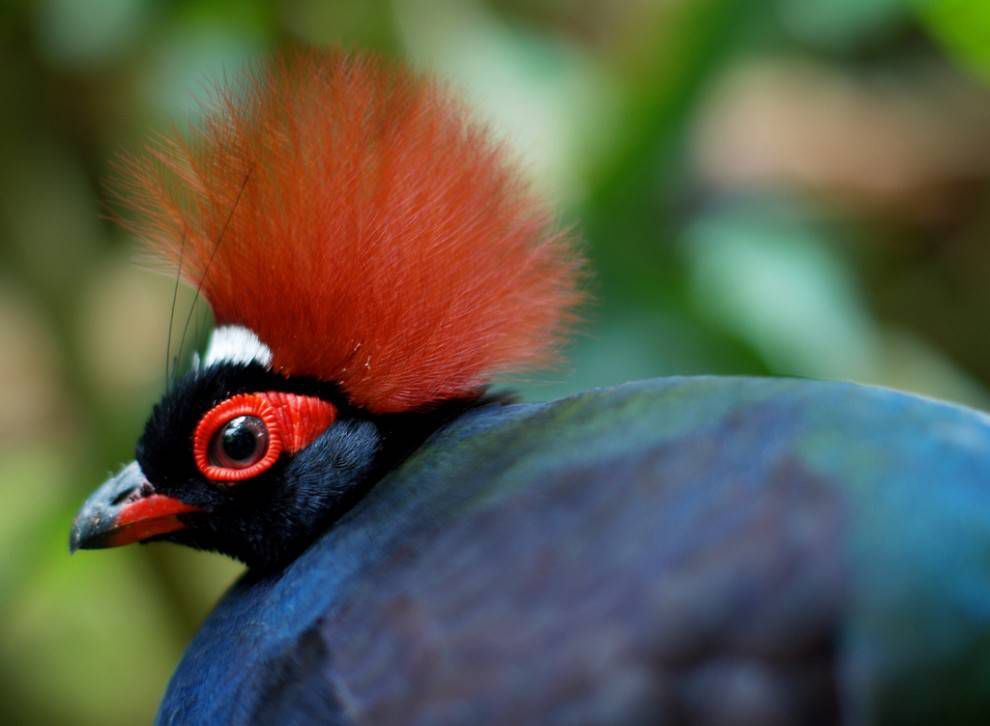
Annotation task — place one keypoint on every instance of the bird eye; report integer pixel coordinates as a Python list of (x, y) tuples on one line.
[(245, 435), (240, 443)]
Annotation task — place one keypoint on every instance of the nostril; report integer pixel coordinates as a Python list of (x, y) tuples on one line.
[(132, 493), (123, 495)]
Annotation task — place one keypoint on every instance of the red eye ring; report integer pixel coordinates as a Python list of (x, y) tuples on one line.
[(245, 404), (292, 421)]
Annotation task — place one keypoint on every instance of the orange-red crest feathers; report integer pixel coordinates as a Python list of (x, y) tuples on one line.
[(349, 214)]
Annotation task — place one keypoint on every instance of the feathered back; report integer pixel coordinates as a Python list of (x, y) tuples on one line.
[(349, 214)]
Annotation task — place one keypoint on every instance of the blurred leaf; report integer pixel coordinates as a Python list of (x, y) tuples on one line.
[(627, 345), (34, 483), (911, 364), (627, 215), (89, 637), (74, 33), (842, 24), (366, 25), (963, 28), (544, 97), (191, 60), (774, 278)]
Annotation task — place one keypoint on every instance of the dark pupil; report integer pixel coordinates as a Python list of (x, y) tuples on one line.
[(239, 439)]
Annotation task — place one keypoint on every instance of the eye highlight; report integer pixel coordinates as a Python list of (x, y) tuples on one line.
[(243, 436), (240, 443)]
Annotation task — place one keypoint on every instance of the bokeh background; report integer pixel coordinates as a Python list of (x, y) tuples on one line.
[(785, 187)]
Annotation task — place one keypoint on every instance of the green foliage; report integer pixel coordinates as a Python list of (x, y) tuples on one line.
[(963, 27)]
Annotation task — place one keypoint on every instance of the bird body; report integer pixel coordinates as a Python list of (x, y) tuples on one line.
[(700, 551), (687, 550)]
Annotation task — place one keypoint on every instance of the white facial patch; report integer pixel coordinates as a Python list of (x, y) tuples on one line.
[(236, 344)]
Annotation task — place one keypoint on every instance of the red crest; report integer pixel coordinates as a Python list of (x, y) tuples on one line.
[(348, 213)]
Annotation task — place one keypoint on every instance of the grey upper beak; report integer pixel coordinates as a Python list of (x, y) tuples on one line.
[(125, 509)]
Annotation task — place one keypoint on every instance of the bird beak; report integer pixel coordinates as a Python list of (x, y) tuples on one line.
[(123, 510)]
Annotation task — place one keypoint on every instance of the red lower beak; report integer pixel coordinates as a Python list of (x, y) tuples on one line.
[(147, 517), (126, 509)]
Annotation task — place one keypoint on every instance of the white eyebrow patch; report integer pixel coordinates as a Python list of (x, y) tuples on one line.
[(236, 344)]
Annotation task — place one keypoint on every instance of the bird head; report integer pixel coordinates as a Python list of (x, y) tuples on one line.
[(372, 260)]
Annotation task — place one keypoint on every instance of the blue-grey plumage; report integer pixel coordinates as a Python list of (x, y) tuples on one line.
[(700, 550)]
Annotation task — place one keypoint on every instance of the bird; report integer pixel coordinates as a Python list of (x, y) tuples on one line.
[(421, 549)]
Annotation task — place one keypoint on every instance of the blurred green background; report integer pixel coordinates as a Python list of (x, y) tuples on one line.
[(787, 187)]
